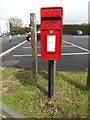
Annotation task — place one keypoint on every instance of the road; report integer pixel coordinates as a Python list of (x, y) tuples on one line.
[(74, 55), (6, 44)]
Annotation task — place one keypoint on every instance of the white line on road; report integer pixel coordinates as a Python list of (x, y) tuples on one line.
[(85, 53), (67, 45), (37, 43), (80, 36), (31, 47), (11, 49), (40, 46), (26, 47), (29, 55), (76, 46), (68, 54)]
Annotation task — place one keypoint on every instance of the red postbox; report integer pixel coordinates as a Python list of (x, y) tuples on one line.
[(51, 33)]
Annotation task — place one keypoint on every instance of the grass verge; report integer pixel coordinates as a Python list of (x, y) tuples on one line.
[(28, 93)]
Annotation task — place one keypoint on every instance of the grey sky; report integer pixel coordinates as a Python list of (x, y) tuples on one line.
[(74, 11)]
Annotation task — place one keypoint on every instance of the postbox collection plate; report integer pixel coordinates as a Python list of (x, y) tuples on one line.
[(51, 41)]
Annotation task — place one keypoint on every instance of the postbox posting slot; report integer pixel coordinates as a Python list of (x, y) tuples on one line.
[(51, 18)]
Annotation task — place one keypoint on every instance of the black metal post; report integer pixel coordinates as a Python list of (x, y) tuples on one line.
[(50, 78)]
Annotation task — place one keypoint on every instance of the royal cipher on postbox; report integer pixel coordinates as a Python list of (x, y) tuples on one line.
[(51, 33)]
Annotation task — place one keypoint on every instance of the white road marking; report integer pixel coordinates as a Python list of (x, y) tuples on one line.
[(26, 47), (31, 47), (30, 55), (76, 46), (40, 46), (37, 43), (85, 53), (81, 36), (22, 55), (2, 116), (67, 46), (11, 49)]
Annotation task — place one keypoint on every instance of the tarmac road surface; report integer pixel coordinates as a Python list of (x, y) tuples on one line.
[(74, 55)]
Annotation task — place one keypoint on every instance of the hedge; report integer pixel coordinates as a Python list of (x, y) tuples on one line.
[(67, 29)]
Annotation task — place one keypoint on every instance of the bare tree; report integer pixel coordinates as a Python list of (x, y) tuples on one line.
[(15, 22)]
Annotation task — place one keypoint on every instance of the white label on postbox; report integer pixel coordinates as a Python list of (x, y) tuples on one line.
[(51, 40)]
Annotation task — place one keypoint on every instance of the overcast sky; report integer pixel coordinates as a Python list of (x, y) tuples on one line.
[(74, 11)]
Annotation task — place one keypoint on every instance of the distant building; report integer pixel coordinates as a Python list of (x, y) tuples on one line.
[(4, 27)]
